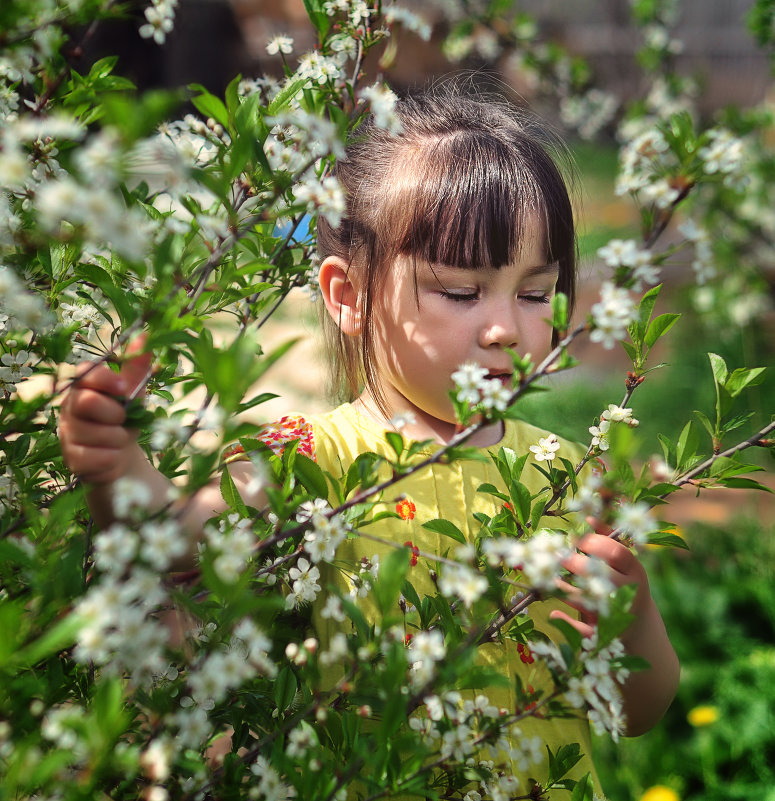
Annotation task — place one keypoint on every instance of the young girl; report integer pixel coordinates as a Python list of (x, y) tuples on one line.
[(458, 232)]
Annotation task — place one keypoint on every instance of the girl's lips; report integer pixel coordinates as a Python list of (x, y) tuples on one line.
[(504, 378)]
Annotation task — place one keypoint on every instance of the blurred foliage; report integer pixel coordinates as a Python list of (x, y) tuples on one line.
[(719, 609)]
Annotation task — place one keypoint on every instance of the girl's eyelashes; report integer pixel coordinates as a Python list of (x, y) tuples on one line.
[(460, 295), (544, 297), (469, 295)]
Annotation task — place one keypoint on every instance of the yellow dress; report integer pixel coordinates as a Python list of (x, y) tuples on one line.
[(334, 440)]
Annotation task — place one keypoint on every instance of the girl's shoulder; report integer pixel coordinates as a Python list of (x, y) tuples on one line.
[(319, 436)]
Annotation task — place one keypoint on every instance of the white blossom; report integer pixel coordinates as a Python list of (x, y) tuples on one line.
[(382, 101), (612, 315), (546, 449), (280, 44), (636, 521), (600, 435), (468, 378)]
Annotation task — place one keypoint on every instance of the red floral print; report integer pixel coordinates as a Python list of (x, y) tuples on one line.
[(406, 509)]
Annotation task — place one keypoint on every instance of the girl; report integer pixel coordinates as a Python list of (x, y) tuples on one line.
[(458, 231)]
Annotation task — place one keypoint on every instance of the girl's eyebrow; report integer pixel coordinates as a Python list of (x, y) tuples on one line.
[(542, 269)]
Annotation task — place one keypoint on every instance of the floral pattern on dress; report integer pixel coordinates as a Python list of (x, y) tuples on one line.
[(406, 509), (277, 435)]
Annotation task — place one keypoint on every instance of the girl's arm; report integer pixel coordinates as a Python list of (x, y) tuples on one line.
[(647, 693), (99, 449)]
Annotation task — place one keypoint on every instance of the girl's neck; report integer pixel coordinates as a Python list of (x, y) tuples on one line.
[(422, 426)]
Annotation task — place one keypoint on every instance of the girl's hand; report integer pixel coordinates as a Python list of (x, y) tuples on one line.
[(95, 444), (625, 569)]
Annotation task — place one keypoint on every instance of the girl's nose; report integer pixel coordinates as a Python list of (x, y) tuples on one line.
[(499, 328)]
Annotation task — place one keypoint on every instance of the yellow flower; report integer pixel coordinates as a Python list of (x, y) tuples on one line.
[(660, 793), (703, 715)]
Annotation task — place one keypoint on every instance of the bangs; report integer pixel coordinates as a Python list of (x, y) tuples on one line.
[(467, 200)]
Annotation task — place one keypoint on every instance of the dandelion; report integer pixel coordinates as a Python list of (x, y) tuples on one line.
[(660, 793), (701, 716)]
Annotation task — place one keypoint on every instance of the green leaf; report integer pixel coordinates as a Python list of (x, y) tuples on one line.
[(62, 635), (659, 327), (209, 105), (560, 312), (447, 528), (285, 689), (584, 789), (310, 475), (667, 539), (743, 483), (630, 350), (520, 497), (687, 444), (284, 96), (647, 303), (396, 442), (719, 368), (230, 494), (742, 378), (705, 422), (392, 572)]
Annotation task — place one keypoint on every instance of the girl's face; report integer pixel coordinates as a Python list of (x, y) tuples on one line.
[(458, 315)]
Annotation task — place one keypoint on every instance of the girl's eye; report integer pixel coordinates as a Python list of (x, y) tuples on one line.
[(544, 297), (461, 295)]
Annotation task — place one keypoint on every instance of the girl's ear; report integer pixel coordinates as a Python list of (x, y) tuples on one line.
[(340, 294)]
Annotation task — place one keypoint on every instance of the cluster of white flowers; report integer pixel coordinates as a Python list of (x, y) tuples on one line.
[(101, 214), (588, 113), (636, 522), (546, 449), (724, 155), (587, 500), (160, 18), (703, 263), (357, 11), (167, 431), (382, 102), (117, 630), (657, 37), (270, 784), (220, 671), (425, 650), (326, 196), (28, 311), (613, 414), (408, 20), (598, 689), (320, 69), (612, 314), (13, 369), (325, 536), (643, 159), (539, 559), (303, 578), (462, 581), (468, 725), (475, 388), (280, 44), (234, 542)]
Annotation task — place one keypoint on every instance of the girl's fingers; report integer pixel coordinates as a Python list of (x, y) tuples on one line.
[(93, 405), (98, 435), (625, 565), (583, 628), (136, 369)]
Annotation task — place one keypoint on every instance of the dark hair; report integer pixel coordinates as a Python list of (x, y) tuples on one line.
[(456, 186)]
